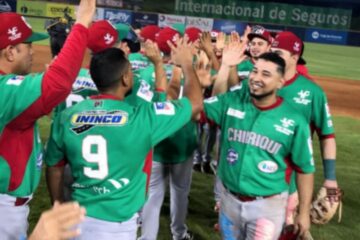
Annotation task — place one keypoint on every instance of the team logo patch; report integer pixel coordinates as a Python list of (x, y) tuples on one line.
[(14, 33), (86, 120), (303, 97), (83, 83), (235, 113), (145, 92), (285, 125), (232, 156), (164, 108), (268, 166), (17, 80)]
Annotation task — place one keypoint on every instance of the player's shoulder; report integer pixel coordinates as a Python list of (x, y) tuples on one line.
[(290, 111), (308, 83)]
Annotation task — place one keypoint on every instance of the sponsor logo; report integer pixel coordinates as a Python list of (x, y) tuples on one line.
[(164, 108), (86, 120), (119, 184), (14, 34), (232, 156), (315, 35), (211, 99), (205, 24), (235, 113), (285, 125), (4, 7), (100, 190), (117, 17), (169, 20), (268, 166), (144, 91), (302, 99), (17, 80), (82, 83)]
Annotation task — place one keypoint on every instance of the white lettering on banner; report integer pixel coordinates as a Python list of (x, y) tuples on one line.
[(254, 139), (120, 16), (205, 24)]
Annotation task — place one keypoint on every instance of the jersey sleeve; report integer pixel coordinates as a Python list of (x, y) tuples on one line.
[(54, 149), (301, 149), (214, 108), (168, 117), (322, 117)]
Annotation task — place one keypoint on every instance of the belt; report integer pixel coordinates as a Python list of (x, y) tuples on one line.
[(244, 198), (21, 201)]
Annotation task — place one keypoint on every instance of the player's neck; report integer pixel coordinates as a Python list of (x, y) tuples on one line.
[(265, 102), (290, 73)]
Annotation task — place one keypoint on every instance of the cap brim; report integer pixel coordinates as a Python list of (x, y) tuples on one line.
[(122, 29), (179, 27), (254, 35), (36, 37), (301, 61)]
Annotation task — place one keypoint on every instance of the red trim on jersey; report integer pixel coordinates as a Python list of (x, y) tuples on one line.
[(327, 136), (278, 102), (147, 168), (105, 96), (61, 163), (291, 80), (289, 168), (16, 140)]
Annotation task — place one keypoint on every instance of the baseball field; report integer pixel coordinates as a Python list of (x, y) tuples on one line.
[(336, 69)]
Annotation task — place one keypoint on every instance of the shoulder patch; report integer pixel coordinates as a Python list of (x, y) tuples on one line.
[(145, 92), (235, 113), (164, 108), (16, 80), (211, 99)]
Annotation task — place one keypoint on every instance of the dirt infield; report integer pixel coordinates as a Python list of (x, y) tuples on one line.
[(341, 93)]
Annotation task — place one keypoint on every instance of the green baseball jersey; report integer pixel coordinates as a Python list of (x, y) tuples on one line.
[(308, 97), (107, 142), (244, 68), (20, 146), (83, 88), (260, 147), (138, 61)]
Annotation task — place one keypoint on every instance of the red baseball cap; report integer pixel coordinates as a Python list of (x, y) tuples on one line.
[(164, 35), (149, 32), (260, 32), (193, 33), (288, 41), (103, 35), (14, 30)]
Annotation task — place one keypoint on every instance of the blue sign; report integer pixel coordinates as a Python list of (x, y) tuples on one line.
[(118, 16), (7, 5), (143, 19), (326, 36), (227, 26)]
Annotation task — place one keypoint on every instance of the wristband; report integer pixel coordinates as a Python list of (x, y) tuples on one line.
[(329, 169)]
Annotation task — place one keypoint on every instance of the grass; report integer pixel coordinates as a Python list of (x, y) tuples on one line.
[(201, 216), (333, 60)]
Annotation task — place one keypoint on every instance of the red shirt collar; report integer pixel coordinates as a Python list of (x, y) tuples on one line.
[(279, 100), (105, 96), (290, 81)]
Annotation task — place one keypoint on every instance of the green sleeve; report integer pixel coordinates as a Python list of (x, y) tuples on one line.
[(214, 108), (321, 115), (168, 117), (54, 149), (301, 149)]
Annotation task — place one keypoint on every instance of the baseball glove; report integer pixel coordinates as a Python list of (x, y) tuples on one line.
[(325, 205)]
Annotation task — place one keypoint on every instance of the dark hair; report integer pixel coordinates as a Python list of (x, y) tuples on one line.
[(274, 58), (108, 67)]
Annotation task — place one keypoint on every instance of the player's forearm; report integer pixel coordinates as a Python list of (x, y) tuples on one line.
[(328, 150), (173, 88), (233, 77), (305, 183), (193, 90), (55, 183), (221, 82), (213, 59), (61, 74), (160, 77)]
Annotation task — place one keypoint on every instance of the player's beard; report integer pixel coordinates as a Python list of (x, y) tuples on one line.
[(260, 97)]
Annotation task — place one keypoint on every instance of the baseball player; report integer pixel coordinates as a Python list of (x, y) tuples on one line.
[(25, 98), (107, 141), (102, 35), (262, 137), (311, 101), (172, 164)]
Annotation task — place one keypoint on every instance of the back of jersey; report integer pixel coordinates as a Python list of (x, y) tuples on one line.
[(106, 143)]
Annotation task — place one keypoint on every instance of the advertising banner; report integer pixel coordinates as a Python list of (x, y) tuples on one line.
[(57, 10), (166, 20), (205, 24), (7, 5), (118, 16), (142, 19), (31, 8), (228, 26), (326, 36)]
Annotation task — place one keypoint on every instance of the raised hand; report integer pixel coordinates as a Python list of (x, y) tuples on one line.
[(220, 41), (205, 42), (234, 53), (152, 52), (181, 52), (85, 12), (203, 69)]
